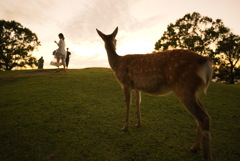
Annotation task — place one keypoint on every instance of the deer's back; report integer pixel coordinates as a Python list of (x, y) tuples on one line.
[(159, 73)]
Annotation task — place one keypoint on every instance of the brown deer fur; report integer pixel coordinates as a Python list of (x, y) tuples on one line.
[(181, 71)]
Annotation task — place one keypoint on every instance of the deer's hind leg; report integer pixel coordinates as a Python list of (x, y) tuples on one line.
[(196, 146), (193, 105), (137, 94)]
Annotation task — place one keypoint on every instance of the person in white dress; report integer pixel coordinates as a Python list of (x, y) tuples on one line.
[(60, 53)]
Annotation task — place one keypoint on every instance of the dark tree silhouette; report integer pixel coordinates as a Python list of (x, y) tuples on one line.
[(16, 42), (229, 49)]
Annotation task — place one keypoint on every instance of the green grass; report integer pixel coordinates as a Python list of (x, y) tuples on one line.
[(78, 115)]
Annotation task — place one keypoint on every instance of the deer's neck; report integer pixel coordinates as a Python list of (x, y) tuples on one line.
[(113, 57)]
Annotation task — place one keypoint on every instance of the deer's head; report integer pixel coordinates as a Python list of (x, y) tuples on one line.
[(109, 40)]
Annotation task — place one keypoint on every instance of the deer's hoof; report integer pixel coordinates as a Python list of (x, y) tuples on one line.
[(138, 125), (125, 128), (194, 149)]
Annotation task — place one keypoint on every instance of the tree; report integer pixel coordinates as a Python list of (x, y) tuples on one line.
[(200, 34), (16, 42), (229, 50)]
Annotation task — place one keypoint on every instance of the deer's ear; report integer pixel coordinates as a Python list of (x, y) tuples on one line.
[(114, 34), (101, 34)]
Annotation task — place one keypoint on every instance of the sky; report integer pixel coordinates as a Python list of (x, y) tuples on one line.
[(141, 24)]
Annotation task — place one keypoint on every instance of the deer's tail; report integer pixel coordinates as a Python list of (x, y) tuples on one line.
[(205, 72)]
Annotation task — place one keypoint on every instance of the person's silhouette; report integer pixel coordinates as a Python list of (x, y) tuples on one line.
[(67, 57)]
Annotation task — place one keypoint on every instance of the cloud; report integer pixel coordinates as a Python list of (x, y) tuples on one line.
[(26, 10), (39, 16), (105, 15), (77, 19)]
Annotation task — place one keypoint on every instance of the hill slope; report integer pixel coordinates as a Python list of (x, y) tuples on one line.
[(78, 115)]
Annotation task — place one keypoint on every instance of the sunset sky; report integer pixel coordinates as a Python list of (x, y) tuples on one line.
[(141, 23)]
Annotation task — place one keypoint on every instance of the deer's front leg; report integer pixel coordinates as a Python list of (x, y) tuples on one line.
[(127, 93), (138, 102)]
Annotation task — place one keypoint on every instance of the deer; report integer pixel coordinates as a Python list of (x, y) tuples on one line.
[(181, 71)]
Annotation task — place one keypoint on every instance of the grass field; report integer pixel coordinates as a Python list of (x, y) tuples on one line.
[(78, 115)]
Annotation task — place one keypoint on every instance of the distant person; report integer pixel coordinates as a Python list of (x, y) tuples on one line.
[(67, 58), (40, 63), (60, 53)]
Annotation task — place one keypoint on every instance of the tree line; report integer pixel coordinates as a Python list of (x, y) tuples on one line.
[(193, 31)]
